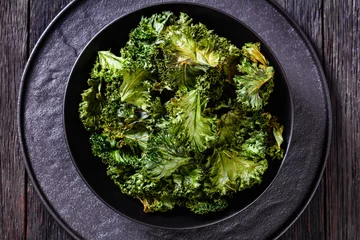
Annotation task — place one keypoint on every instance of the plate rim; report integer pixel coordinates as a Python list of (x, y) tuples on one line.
[(325, 153), (65, 132), (20, 129), (327, 98)]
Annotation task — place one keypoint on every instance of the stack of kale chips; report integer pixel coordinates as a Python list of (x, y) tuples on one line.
[(179, 116)]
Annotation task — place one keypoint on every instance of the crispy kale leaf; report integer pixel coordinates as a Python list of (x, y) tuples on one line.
[(188, 121), (140, 50), (111, 62), (169, 173), (255, 82), (135, 88), (229, 171), (205, 207), (110, 154), (108, 67), (275, 138), (189, 50), (91, 105), (178, 117)]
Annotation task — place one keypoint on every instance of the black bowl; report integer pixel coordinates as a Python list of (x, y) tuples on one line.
[(93, 171)]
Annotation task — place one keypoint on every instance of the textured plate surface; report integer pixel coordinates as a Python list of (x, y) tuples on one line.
[(91, 168), (74, 205)]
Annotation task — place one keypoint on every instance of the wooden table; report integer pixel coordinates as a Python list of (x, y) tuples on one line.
[(333, 26)]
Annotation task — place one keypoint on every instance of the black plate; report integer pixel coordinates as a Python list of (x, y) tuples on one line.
[(94, 171), (77, 208)]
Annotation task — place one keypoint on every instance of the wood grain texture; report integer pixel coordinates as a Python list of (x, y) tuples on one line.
[(40, 224), (13, 52), (342, 61)]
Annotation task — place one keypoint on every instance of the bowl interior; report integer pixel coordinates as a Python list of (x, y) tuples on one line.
[(93, 171)]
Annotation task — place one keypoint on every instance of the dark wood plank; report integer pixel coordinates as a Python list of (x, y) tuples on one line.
[(40, 224), (342, 57), (308, 14), (13, 49)]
